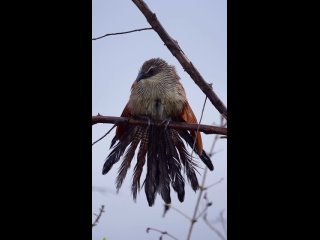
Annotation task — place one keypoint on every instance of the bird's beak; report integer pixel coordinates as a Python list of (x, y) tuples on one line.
[(140, 76)]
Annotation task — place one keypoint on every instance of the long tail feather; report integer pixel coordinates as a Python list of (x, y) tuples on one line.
[(163, 166), (189, 139), (125, 165), (177, 180), (152, 179), (188, 163), (165, 153), (118, 149), (141, 159)]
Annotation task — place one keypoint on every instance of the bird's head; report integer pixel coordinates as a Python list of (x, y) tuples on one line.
[(155, 67)]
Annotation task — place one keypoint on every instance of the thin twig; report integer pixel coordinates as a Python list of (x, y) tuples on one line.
[(162, 232), (213, 184), (213, 228), (209, 204), (223, 222), (176, 51), (193, 220), (103, 190), (207, 129), (202, 189), (111, 34), (98, 216), (177, 210), (194, 143), (103, 135)]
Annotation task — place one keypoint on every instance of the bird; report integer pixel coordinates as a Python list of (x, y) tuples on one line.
[(157, 95)]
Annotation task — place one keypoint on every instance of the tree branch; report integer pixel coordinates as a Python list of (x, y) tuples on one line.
[(161, 232), (98, 216), (207, 129), (110, 34), (202, 188), (213, 228), (176, 51)]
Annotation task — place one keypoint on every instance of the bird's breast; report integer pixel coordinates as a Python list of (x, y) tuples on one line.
[(156, 101)]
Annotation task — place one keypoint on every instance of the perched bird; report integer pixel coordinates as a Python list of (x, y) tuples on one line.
[(157, 95)]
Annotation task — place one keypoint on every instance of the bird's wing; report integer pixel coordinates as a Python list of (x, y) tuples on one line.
[(188, 116), (122, 128)]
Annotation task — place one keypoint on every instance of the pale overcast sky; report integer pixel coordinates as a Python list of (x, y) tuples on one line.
[(200, 27)]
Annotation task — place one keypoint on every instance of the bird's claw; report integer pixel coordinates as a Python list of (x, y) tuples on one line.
[(143, 117), (166, 123)]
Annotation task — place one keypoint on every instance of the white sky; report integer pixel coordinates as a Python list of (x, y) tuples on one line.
[(200, 27)]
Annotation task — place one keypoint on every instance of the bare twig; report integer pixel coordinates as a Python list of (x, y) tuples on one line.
[(98, 216), (194, 220), (176, 51), (213, 228), (111, 34), (209, 204), (162, 233), (103, 190), (207, 129), (202, 189), (223, 222), (194, 143), (103, 136), (177, 210), (213, 184)]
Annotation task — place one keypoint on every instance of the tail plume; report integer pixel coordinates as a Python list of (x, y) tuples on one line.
[(166, 155)]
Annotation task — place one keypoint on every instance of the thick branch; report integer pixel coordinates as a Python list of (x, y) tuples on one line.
[(176, 51), (207, 129)]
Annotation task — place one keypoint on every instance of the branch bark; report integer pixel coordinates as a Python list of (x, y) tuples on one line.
[(176, 51), (207, 129)]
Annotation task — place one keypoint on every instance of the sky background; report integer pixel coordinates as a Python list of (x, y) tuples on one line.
[(200, 27)]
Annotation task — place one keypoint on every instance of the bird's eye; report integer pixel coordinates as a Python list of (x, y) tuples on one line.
[(150, 71)]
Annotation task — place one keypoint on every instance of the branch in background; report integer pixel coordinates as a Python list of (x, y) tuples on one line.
[(203, 188), (103, 190), (213, 184), (223, 222), (111, 34), (207, 129), (169, 206), (162, 233), (176, 51), (98, 216), (194, 219), (220, 219), (214, 228)]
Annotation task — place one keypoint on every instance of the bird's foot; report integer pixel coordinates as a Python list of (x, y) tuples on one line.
[(166, 123), (144, 117)]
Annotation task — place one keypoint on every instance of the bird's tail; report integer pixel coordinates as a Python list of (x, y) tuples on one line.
[(166, 155)]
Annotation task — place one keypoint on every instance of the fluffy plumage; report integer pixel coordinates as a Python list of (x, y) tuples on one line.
[(158, 95)]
